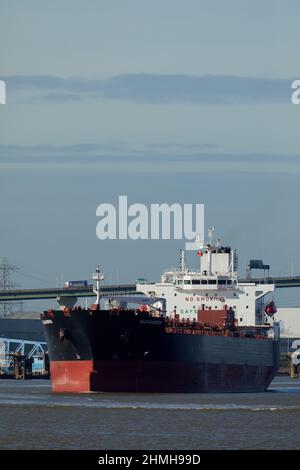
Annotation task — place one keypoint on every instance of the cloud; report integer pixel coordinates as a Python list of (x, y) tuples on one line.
[(90, 152), (154, 158), (50, 150), (152, 89), (179, 146)]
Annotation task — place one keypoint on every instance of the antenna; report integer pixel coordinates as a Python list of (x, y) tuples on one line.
[(211, 232), (182, 261)]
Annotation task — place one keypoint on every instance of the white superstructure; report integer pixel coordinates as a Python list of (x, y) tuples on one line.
[(214, 286)]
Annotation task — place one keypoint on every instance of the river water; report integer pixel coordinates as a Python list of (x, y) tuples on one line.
[(32, 417)]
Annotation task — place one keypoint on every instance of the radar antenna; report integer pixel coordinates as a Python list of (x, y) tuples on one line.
[(211, 232)]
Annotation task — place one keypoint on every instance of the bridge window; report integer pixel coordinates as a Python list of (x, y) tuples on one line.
[(187, 281), (211, 281), (222, 282), (204, 281), (196, 281)]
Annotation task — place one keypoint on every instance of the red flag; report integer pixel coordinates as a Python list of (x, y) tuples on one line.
[(199, 253)]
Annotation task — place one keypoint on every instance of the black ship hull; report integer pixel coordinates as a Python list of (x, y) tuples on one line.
[(128, 352)]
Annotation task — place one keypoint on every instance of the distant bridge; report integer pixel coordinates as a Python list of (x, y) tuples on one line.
[(115, 290), (284, 281), (53, 293)]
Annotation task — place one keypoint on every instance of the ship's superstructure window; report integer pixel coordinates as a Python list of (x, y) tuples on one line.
[(187, 281), (196, 281)]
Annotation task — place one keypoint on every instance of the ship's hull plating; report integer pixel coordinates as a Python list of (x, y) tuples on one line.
[(97, 351)]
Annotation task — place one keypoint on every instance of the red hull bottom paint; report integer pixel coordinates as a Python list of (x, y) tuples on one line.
[(71, 376), (161, 377)]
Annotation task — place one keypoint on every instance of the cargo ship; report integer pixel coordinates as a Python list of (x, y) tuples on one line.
[(197, 330)]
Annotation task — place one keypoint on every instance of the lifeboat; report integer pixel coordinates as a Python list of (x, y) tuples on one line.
[(143, 308)]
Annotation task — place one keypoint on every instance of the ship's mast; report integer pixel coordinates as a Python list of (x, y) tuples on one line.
[(209, 249), (97, 276), (182, 261)]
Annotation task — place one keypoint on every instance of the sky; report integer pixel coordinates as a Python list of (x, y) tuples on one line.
[(162, 101)]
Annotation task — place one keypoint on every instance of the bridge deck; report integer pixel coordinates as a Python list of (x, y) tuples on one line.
[(52, 293)]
